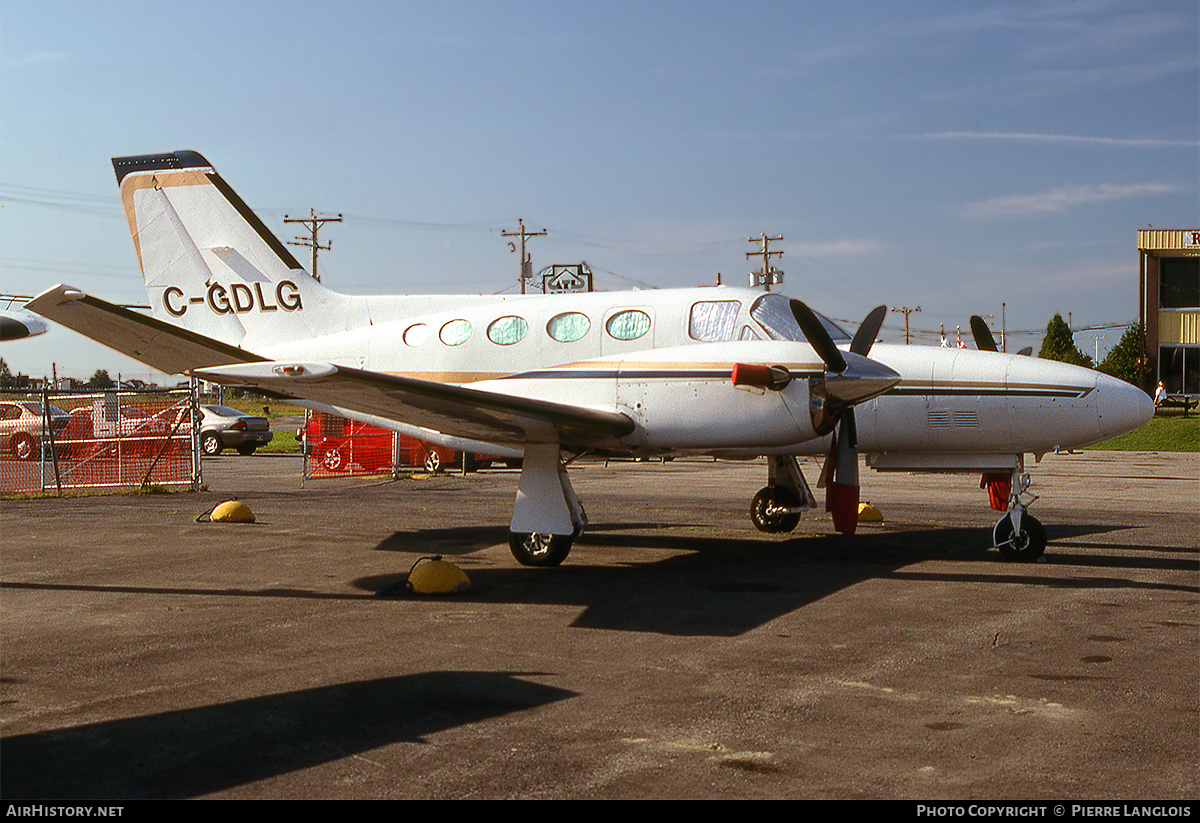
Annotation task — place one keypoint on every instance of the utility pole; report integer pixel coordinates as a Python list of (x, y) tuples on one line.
[(768, 274), (526, 263), (906, 311), (314, 223)]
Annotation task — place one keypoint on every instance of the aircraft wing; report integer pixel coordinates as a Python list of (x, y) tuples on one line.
[(167, 348), (455, 410)]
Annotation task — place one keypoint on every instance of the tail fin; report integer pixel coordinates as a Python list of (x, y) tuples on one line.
[(211, 265)]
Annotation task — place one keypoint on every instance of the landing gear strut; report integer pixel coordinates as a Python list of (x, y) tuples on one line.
[(1019, 535), (547, 516), (777, 507)]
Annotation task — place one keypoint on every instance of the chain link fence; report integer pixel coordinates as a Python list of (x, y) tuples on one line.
[(52, 441), (337, 447)]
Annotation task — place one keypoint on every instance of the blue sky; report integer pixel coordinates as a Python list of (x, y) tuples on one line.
[(950, 155)]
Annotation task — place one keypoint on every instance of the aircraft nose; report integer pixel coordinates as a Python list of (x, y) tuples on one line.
[(1123, 406)]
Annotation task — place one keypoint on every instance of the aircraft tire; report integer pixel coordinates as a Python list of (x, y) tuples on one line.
[(539, 549), (780, 496), (1025, 547)]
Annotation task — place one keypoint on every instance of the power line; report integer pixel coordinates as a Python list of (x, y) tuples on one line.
[(314, 224), (768, 274), (526, 262)]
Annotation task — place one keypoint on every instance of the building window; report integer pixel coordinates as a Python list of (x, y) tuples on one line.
[(628, 325), (1179, 282), (455, 333), (713, 322), (568, 326), (1179, 369), (508, 330)]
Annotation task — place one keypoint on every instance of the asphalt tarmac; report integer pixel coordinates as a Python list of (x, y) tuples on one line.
[(676, 654)]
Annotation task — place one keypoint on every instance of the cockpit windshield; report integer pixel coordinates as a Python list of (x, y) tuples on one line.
[(774, 313)]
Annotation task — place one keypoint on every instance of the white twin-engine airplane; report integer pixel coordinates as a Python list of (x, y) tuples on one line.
[(728, 372)]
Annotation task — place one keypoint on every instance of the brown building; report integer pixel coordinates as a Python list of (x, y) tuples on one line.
[(1170, 307)]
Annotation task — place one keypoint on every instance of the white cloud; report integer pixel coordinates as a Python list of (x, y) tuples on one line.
[(36, 57), (1081, 139), (1062, 198), (843, 247)]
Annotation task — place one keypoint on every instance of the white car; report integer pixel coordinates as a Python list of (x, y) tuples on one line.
[(224, 428), (21, 427)]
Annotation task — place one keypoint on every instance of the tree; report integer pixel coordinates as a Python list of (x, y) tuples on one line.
[(101, 380), (1122, 359), (5, 374), (1060, 345)]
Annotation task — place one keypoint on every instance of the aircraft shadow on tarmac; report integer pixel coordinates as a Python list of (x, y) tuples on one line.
[(719, 586), (211, 748)]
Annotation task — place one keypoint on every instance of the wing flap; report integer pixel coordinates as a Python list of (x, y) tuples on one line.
[(454, 410), (165, 347)]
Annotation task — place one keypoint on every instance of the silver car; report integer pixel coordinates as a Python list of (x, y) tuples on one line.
[(22, 429), (224, 428)]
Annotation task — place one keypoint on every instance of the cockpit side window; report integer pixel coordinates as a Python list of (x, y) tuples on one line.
[(713, 321), (774, 313)]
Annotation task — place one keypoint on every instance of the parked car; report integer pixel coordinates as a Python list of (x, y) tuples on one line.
[(22, 428), (102, 425), (337, 443), (224, 428)]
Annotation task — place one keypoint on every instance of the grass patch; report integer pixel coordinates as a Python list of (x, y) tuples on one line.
[(283, 441), (1164, 433)]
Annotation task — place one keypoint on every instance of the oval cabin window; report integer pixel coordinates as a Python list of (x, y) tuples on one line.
[(508, 330), (415, 334), (456, 332), (628, 325), (568, 326)]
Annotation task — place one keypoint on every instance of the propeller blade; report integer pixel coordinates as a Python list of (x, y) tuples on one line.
[(841, 493), (868, 331), (818, 338), (983, 336)]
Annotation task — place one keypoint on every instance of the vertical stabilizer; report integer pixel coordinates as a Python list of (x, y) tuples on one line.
[(211, 265)]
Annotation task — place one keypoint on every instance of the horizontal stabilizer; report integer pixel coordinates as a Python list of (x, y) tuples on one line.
[(165, 347), (454, 410)]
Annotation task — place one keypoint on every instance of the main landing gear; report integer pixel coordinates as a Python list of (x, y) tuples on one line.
[(1019, 535), (777, 507), (547, 516), (533, 549)]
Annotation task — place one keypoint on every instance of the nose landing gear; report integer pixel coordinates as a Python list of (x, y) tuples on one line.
[(777, 507), (1019, 535)]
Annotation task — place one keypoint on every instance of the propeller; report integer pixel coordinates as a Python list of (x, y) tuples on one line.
[(819, 338), (864, 338), (839, 477), (983, 336)]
